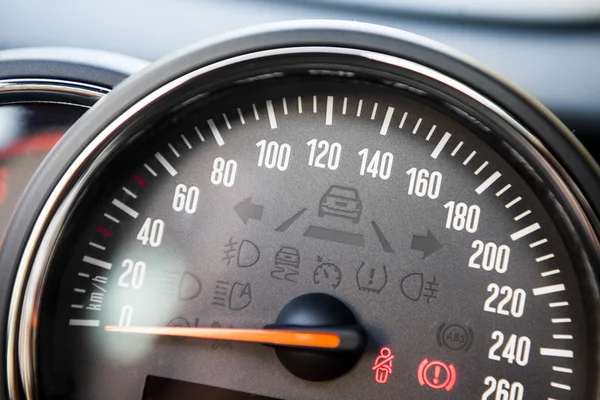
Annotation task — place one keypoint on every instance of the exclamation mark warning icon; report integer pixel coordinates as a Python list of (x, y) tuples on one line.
[(436, 374), (371, 278)]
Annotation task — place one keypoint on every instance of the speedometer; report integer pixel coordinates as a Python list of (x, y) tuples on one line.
[(311, 212)]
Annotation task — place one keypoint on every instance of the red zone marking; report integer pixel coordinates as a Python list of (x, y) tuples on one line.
[(103, 231), (139, 180), (37, 143)]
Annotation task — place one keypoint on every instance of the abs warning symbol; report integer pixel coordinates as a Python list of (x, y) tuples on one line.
[(455, 337), (436, 374)]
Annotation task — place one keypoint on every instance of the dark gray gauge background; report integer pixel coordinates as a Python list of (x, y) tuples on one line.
[(88, 363)]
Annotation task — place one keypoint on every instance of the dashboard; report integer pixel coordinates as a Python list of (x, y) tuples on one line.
[(299, 210)]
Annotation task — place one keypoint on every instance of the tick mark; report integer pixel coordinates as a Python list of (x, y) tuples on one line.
[(96, 262), (481, 168), (374, 113), (539, 242), (227, 124), (329, 111), (403, 120), (103, 231), (430, 134), (242, 120), (125, 208), (544, 258), (200, 135), (441, 144), (215, 132), (140, 181), (504, 189), (488, 182), (187, 143), (111, 218), (167, 165), (386, 121), (456, 149), (550, 273), (96, 245), (525, 231), (149, 170), (522, 215), (469, 157), (173, 150), (513, 202), (414, 131), (549, 289), (271, 114)]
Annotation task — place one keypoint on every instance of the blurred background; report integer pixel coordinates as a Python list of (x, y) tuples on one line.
[(551, 48)]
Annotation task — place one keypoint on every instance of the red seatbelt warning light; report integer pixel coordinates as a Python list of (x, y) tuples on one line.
[(436, 375), (383, 365)]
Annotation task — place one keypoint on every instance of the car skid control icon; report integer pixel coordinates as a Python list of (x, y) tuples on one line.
[(287, 264), (436, 374), (383, 365)]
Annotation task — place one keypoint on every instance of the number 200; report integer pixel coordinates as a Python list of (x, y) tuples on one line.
[(493, 257)]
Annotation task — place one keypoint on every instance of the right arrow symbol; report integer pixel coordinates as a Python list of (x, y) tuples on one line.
[(427, 244)]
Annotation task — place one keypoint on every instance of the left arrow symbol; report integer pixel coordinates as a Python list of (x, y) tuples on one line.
[(246, 210)]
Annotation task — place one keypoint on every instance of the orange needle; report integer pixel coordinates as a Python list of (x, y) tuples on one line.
[(277, 337)]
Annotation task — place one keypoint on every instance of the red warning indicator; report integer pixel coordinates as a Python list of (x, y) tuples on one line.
[(383, 365), (436, 374)]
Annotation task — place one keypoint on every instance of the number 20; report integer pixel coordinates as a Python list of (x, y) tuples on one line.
[(134, 274)]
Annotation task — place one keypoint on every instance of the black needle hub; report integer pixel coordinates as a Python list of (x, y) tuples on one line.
[(315, 311)]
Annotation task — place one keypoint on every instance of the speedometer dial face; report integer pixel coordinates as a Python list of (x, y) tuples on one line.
[(409, 218)]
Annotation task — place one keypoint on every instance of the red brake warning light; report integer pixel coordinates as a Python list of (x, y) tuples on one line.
[(436, 374)]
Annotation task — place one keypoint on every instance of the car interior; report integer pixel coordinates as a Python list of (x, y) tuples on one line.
[(299, 199)]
